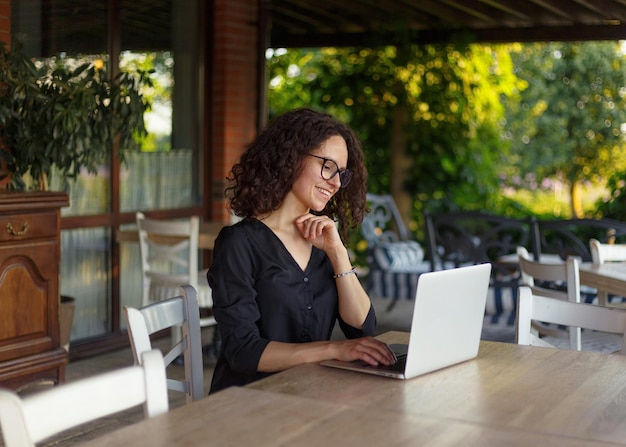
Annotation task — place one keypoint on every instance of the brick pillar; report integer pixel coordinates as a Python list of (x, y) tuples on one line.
[(5, 21), (233, 91)]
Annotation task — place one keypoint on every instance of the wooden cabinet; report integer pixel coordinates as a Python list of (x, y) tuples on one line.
[(30, 252)]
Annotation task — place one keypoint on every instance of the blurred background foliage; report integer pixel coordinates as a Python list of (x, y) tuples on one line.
[(515, 129)]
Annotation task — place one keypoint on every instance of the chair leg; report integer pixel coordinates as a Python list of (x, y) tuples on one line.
[(392, 303)]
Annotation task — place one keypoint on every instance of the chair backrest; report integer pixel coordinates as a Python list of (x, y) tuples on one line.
[(601, 253), (455, 239), (169, 255), (390, 245), (558, 280), (569, 237), (179, 311), (28, 420), (534, 307), (383, 223), (538, 275)]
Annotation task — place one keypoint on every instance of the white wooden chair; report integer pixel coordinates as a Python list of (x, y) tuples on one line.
[(602, 253), (182, 311), (534, 307), (28, 420), (564, 274), (169, 258)]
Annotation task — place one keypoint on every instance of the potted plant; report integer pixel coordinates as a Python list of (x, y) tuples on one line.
[(64, 117)]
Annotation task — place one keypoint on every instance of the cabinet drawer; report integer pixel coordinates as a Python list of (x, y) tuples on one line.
[(16, 227)]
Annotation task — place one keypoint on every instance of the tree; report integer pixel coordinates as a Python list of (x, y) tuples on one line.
[(569, 121), (428, 115), (614, 205)]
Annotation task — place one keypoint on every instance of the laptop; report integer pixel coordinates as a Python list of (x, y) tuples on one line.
[(446, 326)]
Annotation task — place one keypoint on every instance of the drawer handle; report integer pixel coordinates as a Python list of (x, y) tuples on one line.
[(13, 232)]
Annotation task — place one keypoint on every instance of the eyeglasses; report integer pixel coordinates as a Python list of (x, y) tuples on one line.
[(330, 169)]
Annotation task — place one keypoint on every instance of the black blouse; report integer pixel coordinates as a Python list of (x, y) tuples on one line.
[(260, 294)]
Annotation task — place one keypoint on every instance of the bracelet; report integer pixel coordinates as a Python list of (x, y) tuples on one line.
[(349, 272)]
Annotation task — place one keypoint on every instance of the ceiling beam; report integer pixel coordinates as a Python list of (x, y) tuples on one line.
[(503, 35)]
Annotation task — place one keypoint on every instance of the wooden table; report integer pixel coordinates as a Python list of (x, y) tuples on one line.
[(206, 239), (555, 392), (510, 395), (609, 277), (249, 417)]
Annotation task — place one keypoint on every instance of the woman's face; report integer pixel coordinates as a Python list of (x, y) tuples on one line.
[(311, 189)]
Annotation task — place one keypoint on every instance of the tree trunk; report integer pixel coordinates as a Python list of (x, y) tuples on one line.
[(575, 200), (400, 162)]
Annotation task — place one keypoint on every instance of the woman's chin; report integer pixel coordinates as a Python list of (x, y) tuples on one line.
[(318, 207)]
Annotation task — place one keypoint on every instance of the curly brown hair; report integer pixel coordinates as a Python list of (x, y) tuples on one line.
[(265, 173)]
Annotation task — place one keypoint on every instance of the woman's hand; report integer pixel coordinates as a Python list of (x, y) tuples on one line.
[(368, 349), (320, 231)]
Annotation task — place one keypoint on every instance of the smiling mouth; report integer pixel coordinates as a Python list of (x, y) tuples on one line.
[(326, 192)]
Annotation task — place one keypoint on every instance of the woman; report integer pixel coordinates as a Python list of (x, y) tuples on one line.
[(281, 277)]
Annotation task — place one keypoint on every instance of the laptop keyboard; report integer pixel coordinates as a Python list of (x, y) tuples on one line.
[(398, 366)]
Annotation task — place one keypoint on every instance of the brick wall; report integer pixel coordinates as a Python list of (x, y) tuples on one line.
[(5, 21), (234, 90)]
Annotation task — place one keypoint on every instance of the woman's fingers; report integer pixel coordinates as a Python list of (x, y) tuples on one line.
[(371, 351), (314, 227), (381, 353)]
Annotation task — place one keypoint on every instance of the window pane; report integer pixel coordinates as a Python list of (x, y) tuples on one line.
[(85, 276), (154, 180), (130, 281), (67, 33), (166, 173), (51, 27), (159, 35), (89, 193)]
